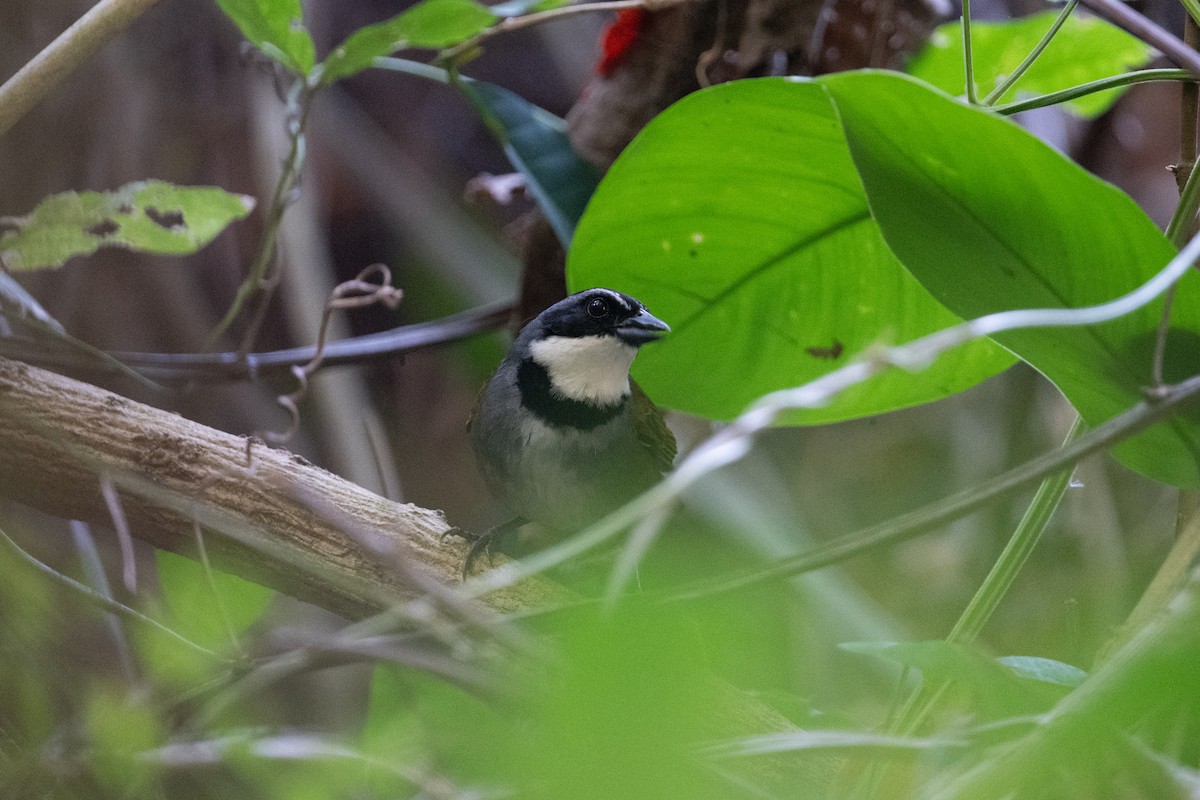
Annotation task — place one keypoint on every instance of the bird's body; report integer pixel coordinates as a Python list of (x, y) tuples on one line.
[(560, 433)]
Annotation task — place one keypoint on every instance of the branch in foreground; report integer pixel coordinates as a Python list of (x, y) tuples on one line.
[(60, 437)]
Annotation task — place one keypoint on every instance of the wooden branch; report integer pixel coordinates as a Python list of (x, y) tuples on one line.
[(58, 437), (61, 57)]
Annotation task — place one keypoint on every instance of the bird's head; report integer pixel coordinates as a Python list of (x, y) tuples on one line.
[(587, 342)]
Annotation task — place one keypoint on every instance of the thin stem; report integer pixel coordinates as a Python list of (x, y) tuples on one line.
[(218, 601), (63, 56), (1183, 221), (96, 598), (1189, 102), (1155, 666), (1018, 549), (259, 282), (457, 53), (1193, 9), (93, 570), (907, 526), (1171, 577), (1114, 82), (1142, 28), (983, 604), (1024, 66), (1184, 218), (968, 58)]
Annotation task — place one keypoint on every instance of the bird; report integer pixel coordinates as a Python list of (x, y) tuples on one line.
[(561, 433)]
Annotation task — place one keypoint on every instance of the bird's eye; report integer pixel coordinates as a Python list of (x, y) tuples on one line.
[(597, 308)]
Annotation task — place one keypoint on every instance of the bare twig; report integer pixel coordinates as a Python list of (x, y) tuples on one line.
[(61, 57), (58, 435), (458, 53), (120, 524), (1140, 26), (230, 366), (357, 293)]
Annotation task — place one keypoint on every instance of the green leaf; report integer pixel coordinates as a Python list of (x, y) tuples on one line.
[(432, 23), (277, 28), (995, 690), (990, 219), (536, 143), (738, 217), (534, 140), (1044, 670), (208, 613), (1085, 49), (119, 730), (153, 217), (937, 659), (516, 8)]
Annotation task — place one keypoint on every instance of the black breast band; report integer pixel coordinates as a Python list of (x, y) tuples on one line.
[(556, 410)]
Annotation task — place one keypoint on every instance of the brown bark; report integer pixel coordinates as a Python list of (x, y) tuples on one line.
[(59, 438)]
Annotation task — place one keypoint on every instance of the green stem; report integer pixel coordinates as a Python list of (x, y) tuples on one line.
[(968, 59), (1156, 666), (1024, 66), (258, 280), (1171, 577), (61, 57), (1114, 82), (997, 583), (914, 523), (1193, 9), (1185, 212), (1017, 551), (1183, 221)]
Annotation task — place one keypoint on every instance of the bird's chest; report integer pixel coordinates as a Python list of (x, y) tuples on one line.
[(566, 478)]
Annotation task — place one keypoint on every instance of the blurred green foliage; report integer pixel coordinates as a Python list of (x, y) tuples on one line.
[(781, 227), (1084, 50)]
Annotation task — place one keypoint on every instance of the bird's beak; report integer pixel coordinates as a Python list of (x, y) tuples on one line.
[(645, 327)]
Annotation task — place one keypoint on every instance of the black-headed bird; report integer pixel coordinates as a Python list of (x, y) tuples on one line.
[(560, 433)]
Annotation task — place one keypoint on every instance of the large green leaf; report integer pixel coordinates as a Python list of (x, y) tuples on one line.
[(1084, 49), (276, 27), (153, 217), (738, 217), (989, 219), (432, 23)]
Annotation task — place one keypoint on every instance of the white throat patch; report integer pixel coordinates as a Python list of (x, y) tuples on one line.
[(594, 369)]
